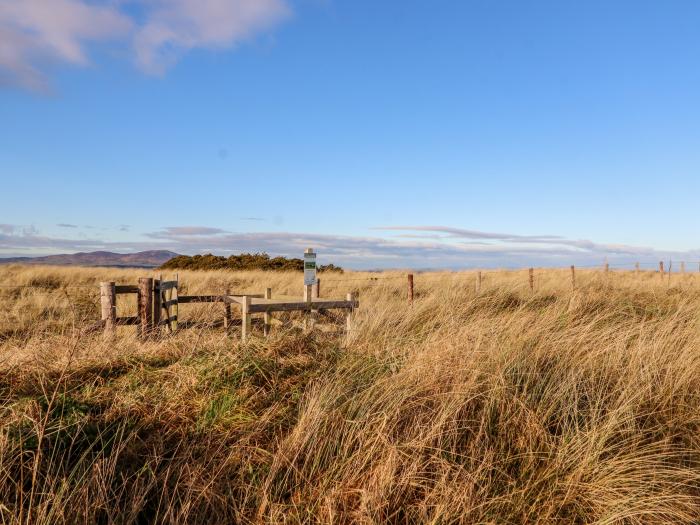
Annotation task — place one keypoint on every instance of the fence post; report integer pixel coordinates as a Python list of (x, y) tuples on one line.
[(317, 288), (661, 269), (145, 305), (350, 297), (410, 288), (607, 269), (245, 318), (267, 316), (156, 304), (108, 302), (478, 282), (636, 267), (682, 266), (531, 273), (573, 277), (227, 310)]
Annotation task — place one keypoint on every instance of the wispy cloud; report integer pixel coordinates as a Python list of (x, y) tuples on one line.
[(65, 225), (35, 34), (452, 249), (182, 231), (176, 26)]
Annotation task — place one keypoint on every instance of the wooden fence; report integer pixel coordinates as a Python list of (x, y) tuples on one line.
[(158, 305)]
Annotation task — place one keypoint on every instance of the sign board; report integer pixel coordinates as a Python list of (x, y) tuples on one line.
[(309, 268)]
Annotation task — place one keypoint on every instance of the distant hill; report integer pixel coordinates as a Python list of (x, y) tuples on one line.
[(147, 259)]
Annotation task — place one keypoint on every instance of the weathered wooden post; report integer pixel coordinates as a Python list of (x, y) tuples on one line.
[(317, 288), (108, 302), (661, 269), (227, 310), (349, 297), (410, 288), (145, 305), (607, 269), (573, 277), (636, 267), (478, 282), (157, 304), (267, 316), (531, 273), (682, 267), (245, 318)]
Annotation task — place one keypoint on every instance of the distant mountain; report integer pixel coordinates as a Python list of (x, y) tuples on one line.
[(148, 259)]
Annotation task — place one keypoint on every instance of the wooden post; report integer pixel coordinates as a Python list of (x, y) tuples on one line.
[(227, 311), (108, 302), (607, 269), (531, 273), (661, 269), (478, 282), (245, 319), (349, 297), (174, 297), (573, 277), (157, 304), (410, 288), (317, 288), (267, 317), (682, 266), (145, 305), (636, 267)]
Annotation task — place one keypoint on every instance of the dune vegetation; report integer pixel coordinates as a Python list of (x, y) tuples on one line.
[(502, 406)]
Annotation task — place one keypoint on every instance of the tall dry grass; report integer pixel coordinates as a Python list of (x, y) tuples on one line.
[(557, 406)]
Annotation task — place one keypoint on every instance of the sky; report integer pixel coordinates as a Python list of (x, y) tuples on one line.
[(392, 134)]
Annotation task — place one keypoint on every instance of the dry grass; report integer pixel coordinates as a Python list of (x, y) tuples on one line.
[(503, 407)]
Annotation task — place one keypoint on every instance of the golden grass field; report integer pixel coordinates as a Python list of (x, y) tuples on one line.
[(507, 406)]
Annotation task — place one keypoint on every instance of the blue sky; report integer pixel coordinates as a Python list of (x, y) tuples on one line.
[(385, 134)]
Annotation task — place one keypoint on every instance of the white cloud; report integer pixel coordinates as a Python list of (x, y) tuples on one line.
[(33, 32), (176, 26), (37, 33)]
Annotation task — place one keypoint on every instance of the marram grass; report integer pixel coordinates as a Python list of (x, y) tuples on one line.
[(507, 406)]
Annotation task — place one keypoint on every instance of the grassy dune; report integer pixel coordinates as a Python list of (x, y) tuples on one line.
[(556, 406)]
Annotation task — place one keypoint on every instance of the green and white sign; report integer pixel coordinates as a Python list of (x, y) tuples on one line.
[(309, 267)]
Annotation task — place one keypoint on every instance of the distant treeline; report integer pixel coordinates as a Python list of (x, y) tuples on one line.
[(244, 261)]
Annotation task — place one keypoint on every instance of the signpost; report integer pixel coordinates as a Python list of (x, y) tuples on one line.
[(309, 267)]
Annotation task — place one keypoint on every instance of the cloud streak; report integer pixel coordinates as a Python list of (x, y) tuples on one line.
[(454, 248), (35, 34)]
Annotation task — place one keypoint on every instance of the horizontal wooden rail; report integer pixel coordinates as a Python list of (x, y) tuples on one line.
[(302, 306), (213, 298), (126, 288)]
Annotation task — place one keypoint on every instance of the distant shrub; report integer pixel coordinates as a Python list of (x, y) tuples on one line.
[(244, 261)]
